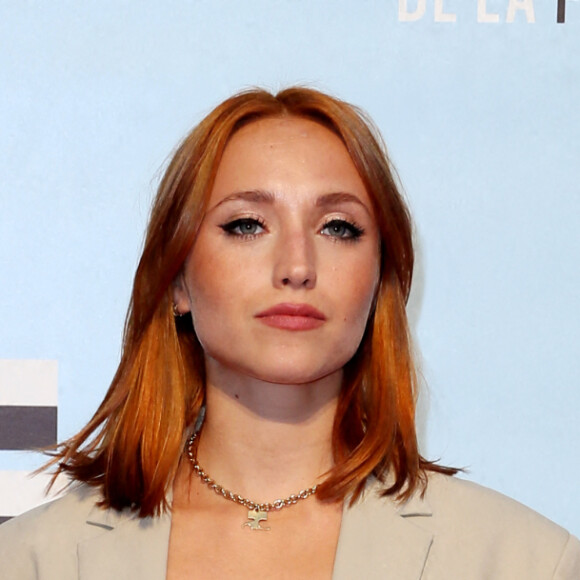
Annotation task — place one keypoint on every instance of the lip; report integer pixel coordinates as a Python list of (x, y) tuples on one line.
[(290, 316)]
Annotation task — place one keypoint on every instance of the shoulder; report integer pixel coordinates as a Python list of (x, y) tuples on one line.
[(475, 532), (498, 532), (29, 541), (78, 502), (73, 537), (462, 501)]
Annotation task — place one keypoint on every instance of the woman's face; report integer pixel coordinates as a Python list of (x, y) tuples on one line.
[(282, 276)]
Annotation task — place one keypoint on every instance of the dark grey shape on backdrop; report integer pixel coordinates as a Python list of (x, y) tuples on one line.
[(561, 18), (27, 427)]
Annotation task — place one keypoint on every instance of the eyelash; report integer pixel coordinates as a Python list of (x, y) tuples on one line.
[(351, 231), (231, 227)]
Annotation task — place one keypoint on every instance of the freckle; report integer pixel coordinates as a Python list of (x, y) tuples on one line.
[(236, 395)]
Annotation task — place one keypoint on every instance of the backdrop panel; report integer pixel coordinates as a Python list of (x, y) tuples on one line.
[(478, 103)]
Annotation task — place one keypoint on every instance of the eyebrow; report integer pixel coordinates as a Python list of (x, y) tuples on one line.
[(253, 195), (324, 201), (339, 197)]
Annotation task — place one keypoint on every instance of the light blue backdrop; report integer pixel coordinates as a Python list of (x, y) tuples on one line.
[(481, 119)]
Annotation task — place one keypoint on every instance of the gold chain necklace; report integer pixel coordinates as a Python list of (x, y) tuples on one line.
[(257, 512)]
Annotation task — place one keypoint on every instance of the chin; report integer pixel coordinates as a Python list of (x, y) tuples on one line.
[(294, 374), (286, 368)]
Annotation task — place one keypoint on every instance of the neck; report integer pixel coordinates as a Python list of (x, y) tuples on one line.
[(264, 440)]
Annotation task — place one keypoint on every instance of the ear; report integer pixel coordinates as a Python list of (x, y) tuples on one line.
[(180, 295)]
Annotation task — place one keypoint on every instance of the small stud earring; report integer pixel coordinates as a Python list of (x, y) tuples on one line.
[(176, 312)]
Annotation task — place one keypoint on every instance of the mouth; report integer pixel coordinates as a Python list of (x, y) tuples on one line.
[(290, 316)]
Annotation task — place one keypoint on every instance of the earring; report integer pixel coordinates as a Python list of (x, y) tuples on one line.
[(176, 312)]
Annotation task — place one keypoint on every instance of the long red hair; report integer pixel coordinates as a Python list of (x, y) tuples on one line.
[(132, 446)]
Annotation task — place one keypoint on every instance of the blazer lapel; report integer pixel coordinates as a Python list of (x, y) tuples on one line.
[(380, 539), (124, 547)]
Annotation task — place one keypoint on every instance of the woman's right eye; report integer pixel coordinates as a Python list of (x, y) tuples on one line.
[(244, 227)]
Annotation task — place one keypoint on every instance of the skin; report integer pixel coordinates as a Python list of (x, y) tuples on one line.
[(289, 221)]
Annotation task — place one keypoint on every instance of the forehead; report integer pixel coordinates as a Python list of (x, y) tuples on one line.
[(286, 154), (286, 133)]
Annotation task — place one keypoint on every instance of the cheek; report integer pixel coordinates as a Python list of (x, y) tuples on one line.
[(364, 281), (203, 288), (360, 310), (210, 316), (357, 296), (218, 290)]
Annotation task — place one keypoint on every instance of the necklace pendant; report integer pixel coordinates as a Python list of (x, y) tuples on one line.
[(254, 518)]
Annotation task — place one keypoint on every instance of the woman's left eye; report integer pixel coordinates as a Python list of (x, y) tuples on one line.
[(342, 229), (243, 227)]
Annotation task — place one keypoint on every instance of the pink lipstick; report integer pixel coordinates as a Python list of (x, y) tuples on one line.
[(289, 316)]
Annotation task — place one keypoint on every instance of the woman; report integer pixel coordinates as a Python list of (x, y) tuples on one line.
[(266, 355)]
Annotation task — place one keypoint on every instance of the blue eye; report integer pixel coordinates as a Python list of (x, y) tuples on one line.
[(342, 229), (243, 227)]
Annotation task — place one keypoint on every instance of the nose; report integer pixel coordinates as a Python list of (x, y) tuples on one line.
[(295, 263)]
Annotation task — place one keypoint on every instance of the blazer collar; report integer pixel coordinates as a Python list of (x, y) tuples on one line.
[(122, 546), (380, 539)]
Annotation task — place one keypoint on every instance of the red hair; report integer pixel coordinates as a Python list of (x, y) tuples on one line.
[(132, 446)]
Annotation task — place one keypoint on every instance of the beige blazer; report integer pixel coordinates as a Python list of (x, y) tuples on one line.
[(458, 531)]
